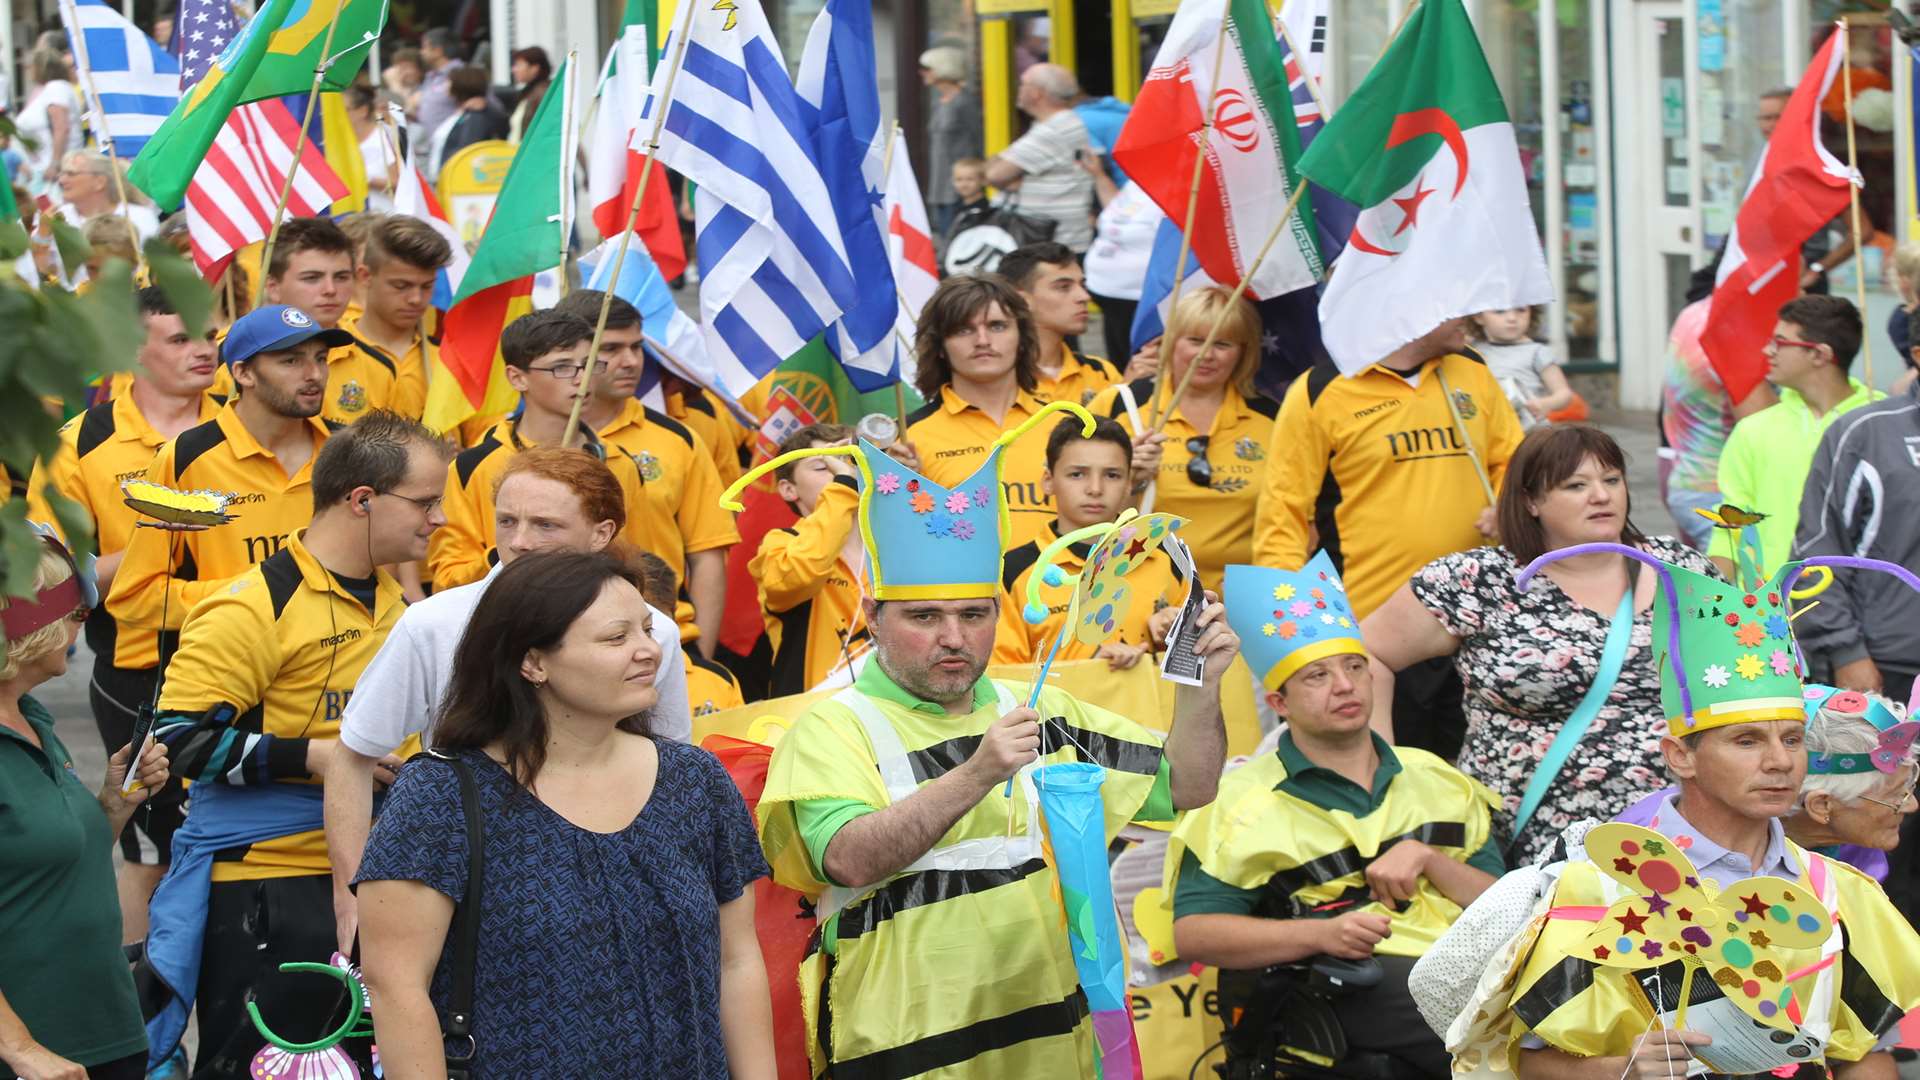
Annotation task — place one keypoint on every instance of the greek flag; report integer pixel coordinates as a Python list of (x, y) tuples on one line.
[(840, 95), (773, 265), (132, 83)]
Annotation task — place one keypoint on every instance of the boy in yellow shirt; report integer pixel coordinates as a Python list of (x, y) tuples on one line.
[(1088, 479), (810, 573)]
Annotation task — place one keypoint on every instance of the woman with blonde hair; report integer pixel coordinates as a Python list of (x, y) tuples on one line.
[(67, 1003), (50, 120), (1208, 461)]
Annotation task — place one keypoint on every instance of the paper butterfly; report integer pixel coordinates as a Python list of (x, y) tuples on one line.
[(1100, 598), (177, 507), (1738, 938)]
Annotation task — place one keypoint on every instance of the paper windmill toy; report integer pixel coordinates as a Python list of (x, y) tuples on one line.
[(1739, 938), (1101, 594), (177, 507)]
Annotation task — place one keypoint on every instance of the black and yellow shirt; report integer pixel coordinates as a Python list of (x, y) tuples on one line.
[(1081, 378), (1219, 515), (809, 596), (953, 439), (1280, 820), (101, 449), (717, 428), (1374, 462), (710, 686), (1150, 586), (166, 573), (679, 512), (267, 664)]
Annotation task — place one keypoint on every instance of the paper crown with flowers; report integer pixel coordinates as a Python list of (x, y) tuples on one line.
[(1287, 619), (1895, 747), (925, 541), (1726, 653)]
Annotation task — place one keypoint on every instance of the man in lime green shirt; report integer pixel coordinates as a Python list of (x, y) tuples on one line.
[(1764, 466)]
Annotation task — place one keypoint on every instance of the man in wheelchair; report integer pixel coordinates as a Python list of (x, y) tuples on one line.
[(1324, 869)]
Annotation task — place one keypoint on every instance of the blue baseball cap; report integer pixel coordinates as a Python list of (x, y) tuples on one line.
[(275, 326)]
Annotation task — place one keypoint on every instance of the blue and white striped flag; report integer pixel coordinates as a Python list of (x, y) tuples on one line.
[(774, 271), (840, 94), (132, 83)]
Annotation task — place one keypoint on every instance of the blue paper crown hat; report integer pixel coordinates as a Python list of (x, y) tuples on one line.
[(926, 541), (1287, 619)]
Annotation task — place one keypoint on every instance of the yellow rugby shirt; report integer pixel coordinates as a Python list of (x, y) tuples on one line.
[(953, 438), (679, 511), (267, 664)]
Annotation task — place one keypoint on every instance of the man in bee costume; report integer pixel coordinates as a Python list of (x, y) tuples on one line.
[(941, 949), (1714, 943)]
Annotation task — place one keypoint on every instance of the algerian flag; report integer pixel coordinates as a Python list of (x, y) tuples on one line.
[(1425, 147)]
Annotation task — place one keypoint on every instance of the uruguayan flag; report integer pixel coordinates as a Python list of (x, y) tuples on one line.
[(841, 103), (773, 267), (131, 83)]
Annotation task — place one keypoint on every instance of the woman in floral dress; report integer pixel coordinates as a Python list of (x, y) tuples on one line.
[(1528, 658)]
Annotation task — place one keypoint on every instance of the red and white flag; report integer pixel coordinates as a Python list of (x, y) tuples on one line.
[(616, 152), (909, 250), (1798, 187), (412, 196), (231, 200)]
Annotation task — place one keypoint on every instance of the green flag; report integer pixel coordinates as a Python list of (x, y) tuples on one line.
[(810, 387), (273, 55)]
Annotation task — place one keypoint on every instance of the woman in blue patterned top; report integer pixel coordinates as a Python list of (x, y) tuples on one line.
[(616, 912)]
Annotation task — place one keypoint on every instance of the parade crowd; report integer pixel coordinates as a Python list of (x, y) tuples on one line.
[(434, 701)]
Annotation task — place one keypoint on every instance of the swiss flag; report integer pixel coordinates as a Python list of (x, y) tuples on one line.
[(1798, 187)]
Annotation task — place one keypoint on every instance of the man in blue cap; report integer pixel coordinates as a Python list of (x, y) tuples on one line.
[(260, 446)]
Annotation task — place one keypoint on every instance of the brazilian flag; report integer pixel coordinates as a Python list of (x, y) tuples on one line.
[(274, 55)]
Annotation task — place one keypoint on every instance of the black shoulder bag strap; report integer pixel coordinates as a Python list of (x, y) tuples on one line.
[(466, 927)]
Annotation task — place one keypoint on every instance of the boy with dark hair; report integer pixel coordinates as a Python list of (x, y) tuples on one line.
[(810, 573), (1768, 454), (681, 520), (1090, 480), (1050, 279), (546, 355)]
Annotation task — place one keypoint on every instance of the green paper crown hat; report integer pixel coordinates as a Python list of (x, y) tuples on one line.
[(1726, 654)]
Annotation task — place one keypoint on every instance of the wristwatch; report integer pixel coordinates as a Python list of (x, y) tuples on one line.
[(1818, 268)]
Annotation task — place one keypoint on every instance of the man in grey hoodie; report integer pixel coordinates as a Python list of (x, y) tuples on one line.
[(1863, 499)]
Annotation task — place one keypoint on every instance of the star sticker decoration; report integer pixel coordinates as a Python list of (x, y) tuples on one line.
[(1632, 922), (1623, 864), (1657, 904), (1753, 904), (1410, 205), (1685, 914), (1601, 952), (1138, 547), (1760, 938), (1651, 948)]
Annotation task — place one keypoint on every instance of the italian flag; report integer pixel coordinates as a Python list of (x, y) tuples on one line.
[(525, 235), (1249, 152), (1425, 148), (616, 149)]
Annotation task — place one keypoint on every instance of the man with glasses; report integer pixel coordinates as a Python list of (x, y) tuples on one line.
[(88, 191), (250, 714), (546, 360), (680, 520), (1769, 454)]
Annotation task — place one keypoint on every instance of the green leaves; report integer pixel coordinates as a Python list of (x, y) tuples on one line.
[(186, 290)]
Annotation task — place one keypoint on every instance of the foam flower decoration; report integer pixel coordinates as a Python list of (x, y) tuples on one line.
[(963, 530), (981, 496), (1288, 629), (887, 483), (1776, 626), (1749, 634), (957, 502), (938, 524), (1737, 936), (1749, 666), (1283, 592), (1301, 609), (1782, 662), (1715, 676), (177, 507), (922, 502), (1268, 629)]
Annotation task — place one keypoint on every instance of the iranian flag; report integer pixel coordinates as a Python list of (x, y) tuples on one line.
[(1249, 153), (616, 149), (1425, 148)]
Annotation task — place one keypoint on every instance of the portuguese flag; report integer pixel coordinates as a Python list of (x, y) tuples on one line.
[(1425, 148), (524, 236)]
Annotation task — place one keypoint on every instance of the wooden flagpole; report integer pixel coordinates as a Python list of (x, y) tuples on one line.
[(899, 394), (1193, 206), (633, 218), (299, 146), (1853, 213)]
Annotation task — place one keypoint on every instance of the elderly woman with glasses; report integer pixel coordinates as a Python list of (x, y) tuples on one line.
[(1208, 461), (88, 190), (67, 1002), (1860, 777)]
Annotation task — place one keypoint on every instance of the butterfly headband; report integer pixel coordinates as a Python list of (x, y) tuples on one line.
[(1896, 736)]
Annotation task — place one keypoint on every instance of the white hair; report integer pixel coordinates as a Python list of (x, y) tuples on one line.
[(1056, 82), (1836, 731)]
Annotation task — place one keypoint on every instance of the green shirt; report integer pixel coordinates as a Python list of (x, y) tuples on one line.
[(1200, 893), (1765, 464), (61, 967), (820, 819)]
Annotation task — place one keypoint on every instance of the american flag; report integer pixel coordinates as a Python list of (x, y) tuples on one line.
[(231, 201), (200, 33)]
